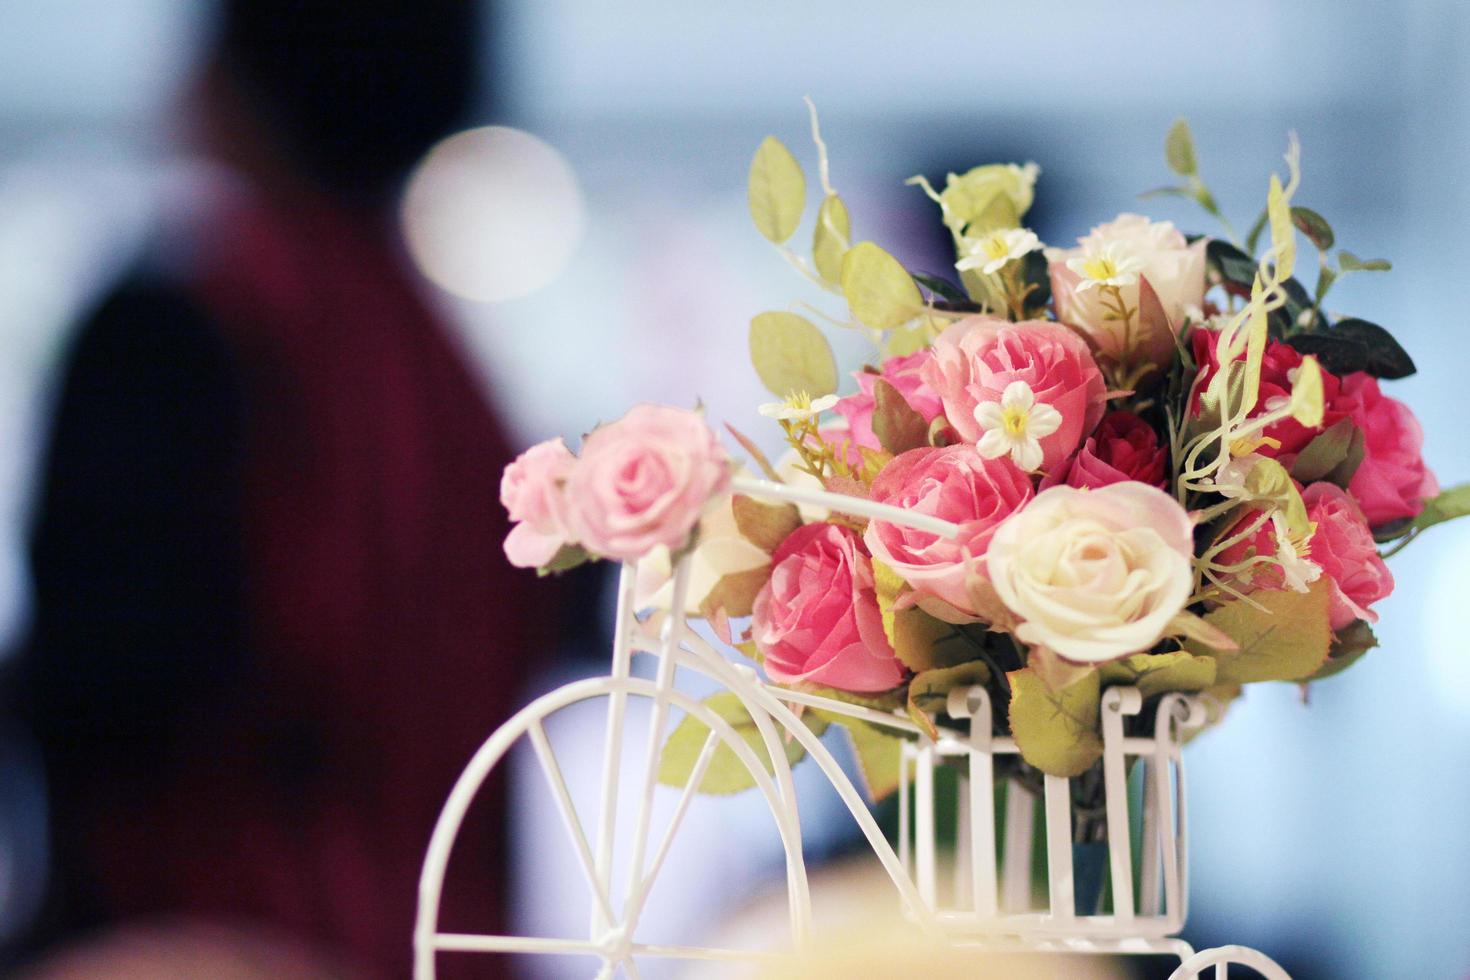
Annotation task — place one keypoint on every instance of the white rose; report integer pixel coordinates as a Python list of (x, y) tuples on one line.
[(1094, 574), (1154, 250)]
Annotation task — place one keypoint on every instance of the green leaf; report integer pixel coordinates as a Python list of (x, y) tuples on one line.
[(1056, 731), (1351, 642), (923, 642), (877, 751), (567, 557), (898, 427), (1283, 637), (791, 355), (1348, 262), (764, 525), (830, 238), (1001, 212), (1179, 150), (1314, 226), (777, 190), (1356, 345), (1160, 673), (942, 288), (1450, 504), (1233, 267), (726, 773), (879, 291), (735, 593), (888, 585), (929, 690), (1326, 452)]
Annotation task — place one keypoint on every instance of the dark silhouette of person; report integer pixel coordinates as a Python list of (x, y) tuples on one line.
[(272, 618)]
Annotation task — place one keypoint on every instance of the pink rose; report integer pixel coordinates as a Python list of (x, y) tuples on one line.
[(956, 484), (531, 492), (975, 359), (1124, 447), (1392, 481), (643, 480), (905, 374), (1343, 546), (1278, 363), (817, 618)]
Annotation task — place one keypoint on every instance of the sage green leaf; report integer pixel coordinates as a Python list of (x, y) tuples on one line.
[(830, 238), (929, 690), (1284, 636), (1160, 673), (898, 427), (776, 191), (879, 291), (726, 773), (1450, 504), (1314, 226), (791, 355), (764, 525), (923, 642), (1326, 452), (1348, 262), (1179, 149), (734, 594), (567, 557), (877, 751), (1056, 731), (1351, 642)]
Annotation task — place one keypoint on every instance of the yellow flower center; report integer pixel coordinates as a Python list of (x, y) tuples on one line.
[(1014, 420), (1099, 267), (800, 400), (995, 247)]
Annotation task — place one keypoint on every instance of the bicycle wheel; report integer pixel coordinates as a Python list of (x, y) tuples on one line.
[(619, 860)]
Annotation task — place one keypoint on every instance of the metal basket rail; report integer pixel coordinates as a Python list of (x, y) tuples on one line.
[(989, 907)]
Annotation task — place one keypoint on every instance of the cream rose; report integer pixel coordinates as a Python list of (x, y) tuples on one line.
[(720, 550), (1094, 575), (1154, 250)]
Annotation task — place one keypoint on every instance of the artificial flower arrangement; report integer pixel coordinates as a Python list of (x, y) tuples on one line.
[(1171, 466)]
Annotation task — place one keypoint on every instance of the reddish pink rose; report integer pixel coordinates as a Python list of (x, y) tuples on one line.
[(1344, 548), (817, 618), (643, 480), (531, 492), (1392, 481), (1277, 363), (975, 359), (956, 484), (1124, 447), (905, 374)]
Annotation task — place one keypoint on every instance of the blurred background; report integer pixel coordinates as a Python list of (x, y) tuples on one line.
[(586, 241)]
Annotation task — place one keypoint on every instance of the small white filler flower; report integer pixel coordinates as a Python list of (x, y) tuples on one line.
[(1107, 266), (1016, 425), (989, 253), (798, 406)]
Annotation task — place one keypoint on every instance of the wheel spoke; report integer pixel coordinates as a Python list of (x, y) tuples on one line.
[(568, 810), (696, 776), (451, 942)]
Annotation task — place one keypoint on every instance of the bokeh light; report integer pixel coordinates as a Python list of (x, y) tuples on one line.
[(492, 214)]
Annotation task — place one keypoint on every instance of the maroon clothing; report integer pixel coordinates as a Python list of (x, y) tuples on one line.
[(318, 708)]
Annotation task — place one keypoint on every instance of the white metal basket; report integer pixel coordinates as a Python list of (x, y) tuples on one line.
[(988, 906)]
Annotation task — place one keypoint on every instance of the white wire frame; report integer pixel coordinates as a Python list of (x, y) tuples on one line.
[(991, 907)]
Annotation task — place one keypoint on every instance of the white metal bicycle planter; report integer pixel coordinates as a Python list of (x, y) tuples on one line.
[(990, 907)]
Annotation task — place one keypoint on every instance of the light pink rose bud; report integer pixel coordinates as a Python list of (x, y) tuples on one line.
[(1392, 482), (1344, 548), (956, 484), (643, 480), (978, 357), (817, 619), (531, 492)]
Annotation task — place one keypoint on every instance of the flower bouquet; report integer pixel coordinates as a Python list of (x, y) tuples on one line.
[(1165, 464)]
